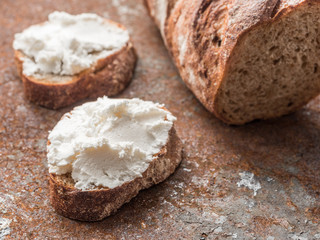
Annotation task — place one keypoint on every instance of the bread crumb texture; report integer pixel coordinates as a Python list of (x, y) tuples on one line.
[(274, 69)]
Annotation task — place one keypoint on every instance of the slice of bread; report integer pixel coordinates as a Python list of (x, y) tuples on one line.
[(108, 76), (96, 204), (103, 153)]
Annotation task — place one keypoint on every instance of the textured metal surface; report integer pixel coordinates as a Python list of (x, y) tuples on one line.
[(258, 181)]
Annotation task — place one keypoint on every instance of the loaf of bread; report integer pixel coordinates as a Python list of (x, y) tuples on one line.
[(103, 153), (73, 57), (244, 59)]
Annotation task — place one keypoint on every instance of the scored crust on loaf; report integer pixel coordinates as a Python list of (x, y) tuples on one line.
[(244, 60), (96, 204), (107, 76)]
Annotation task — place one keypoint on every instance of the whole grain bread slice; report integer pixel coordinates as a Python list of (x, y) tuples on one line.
[(107, 76), (96, 204)]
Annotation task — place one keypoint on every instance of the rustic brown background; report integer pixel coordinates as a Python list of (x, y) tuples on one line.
[(203, 199)]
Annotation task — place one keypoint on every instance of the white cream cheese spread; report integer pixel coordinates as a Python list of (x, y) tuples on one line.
[(68, 44), (108, 142)]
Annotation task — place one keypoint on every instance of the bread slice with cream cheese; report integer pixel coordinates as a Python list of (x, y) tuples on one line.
[(103, 153), (73, 57)]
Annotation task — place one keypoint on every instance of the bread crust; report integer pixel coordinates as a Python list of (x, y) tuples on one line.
[(108, 76), (94, 205), (212, 30)]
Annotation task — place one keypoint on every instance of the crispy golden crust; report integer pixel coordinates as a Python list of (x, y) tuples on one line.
[(109, 76), (94, 205)]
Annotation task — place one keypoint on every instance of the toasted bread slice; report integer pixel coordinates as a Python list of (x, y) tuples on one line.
[(107, 76), (96, 204)]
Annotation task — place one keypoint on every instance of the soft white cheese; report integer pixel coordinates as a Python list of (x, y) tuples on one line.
[(67, 44), (108, 142)]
